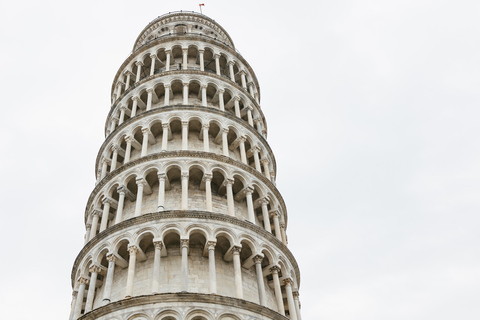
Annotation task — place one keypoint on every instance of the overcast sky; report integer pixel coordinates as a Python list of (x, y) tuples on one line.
[(373, 114)]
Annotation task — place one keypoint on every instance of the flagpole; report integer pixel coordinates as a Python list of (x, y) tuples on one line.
[(200, 8)]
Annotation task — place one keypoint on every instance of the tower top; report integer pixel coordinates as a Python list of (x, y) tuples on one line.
[(182, 22)]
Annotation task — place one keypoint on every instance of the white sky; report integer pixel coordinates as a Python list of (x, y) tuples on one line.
[(372, 110)]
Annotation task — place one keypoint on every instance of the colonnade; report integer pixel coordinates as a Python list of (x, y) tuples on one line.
[(261, 164), (135, 253), (144, 188), (239, 106), (137, 70)]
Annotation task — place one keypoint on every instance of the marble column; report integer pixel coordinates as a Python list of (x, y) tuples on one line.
[(156, 266), (152, 65), (211, 267), (184, 248), (237, 269), (251, 211), (138, 203), (225, 142), (94, 271), (291, 304), (266, 169), (184, 135), (132, 250), (184, 190), (121, 201), (230, 201), (166, 101), (266, 218), (165, 128), (145, 132), (206, 144), (82, 282), (260, 284), (161, 191), (221, 103), (278, 290), (208, 191), (109, 280), (185, 93)]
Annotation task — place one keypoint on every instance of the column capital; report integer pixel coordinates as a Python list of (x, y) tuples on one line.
[(242, 72), (225, 130), (139, 63), (165, 125), (145, 131), (185, 84), (140, 181), (158, 244), (169, 51), (137, 98), (264, 161), (185, 50), (221, 90), (275, 269), (184, 123), (203, 86), (74, 293), (274, 213), (107, 200), (207, 177), (236, 250), (111, 257), (166, 85), (88, 226), (236, 98), (264, 201), (150, 90), (185, 174), (211, 245), (249, 107), (206, 126), (132, 249), (201, 50), (153, 56), (216, 56), (162, 176), (114, 148), (296, 294), (242, 139), (129, 139), (122, 108), (288, 282), (282, 225), (248, 190), (121, 190), (256, 149), (229, 181), (96, 212), (83, 280), (257, 259), (184, 243), (231, 62), (97, 269)]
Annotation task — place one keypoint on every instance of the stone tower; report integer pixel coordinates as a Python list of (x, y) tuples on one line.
[(185, 220)]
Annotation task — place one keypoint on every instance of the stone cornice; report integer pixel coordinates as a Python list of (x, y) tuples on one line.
[(185, 297), (186, 154), (187, 108), (183, 37), (185, 214)]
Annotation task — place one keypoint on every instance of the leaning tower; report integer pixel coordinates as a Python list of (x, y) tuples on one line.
[(185, 221)]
